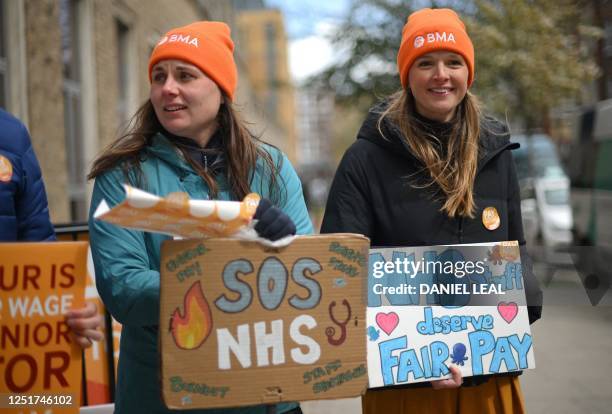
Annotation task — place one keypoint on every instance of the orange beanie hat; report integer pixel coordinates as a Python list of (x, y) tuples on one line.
[(208, 46), (430, 30)]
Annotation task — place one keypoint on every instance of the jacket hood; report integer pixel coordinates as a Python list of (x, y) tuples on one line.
[(162, 148), (494, 136)]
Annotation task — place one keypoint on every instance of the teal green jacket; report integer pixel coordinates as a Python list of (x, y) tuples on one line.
[(127, 265)]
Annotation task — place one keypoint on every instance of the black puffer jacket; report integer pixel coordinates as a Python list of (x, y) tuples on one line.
[(371, 194)]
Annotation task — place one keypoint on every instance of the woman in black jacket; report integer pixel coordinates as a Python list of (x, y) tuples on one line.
[(425, 166)]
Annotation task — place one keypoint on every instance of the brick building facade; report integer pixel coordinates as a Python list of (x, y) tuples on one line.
[(75, 72)]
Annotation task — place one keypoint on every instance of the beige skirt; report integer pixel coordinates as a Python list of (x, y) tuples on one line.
[(499, 395)]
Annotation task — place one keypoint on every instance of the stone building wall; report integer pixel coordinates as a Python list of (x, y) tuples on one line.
[(146, 21), (45, 100)]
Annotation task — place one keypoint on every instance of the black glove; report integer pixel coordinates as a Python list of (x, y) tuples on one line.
[(273, 224)]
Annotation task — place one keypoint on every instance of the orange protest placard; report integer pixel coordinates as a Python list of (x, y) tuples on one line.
[(41, 365), (97, 372)]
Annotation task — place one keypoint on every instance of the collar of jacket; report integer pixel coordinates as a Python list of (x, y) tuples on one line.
[(163, 147), (210, 158), (494, 136)]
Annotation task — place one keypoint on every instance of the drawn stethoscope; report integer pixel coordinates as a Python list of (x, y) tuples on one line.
[(331, 331)]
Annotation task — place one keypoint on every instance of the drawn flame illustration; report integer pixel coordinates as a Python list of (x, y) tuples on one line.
[(191, 330)]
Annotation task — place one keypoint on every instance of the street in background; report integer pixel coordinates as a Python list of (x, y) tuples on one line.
[(547, 214)]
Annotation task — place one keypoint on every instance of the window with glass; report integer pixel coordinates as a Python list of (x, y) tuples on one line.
[(73, 119), (122, 33)]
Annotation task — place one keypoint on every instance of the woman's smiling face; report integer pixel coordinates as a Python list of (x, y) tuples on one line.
[(438, 81)]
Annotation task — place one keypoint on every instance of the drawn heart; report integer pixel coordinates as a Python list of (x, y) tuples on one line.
[(507, 310), (387, 321)]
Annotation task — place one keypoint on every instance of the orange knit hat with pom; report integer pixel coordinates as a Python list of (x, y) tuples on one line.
[(431, 30), (207, 45)]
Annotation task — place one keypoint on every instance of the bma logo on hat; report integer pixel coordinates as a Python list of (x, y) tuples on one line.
[(193, 41), (419, 41)]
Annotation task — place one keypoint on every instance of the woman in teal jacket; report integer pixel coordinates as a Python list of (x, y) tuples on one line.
[(186, 137)]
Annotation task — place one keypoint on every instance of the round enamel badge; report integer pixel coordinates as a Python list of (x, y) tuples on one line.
[(6, 169), (490, 218)]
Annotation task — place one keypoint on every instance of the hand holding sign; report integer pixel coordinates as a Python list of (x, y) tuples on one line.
[(84, 323), (454, 381), (273, 223)]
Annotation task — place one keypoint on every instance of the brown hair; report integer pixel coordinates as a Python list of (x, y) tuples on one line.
[(241, 151), (454, 171)]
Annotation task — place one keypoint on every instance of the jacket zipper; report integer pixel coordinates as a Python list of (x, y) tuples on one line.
[(205, 159)]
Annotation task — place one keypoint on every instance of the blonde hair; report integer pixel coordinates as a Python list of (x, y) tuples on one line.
[(454, 170)]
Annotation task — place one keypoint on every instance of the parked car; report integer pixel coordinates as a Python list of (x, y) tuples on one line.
[(529, 210), (554, 210), (545, 187), (590, 167)]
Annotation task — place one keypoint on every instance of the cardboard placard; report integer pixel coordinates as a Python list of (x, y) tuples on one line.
[(242, 324), (432, 306), (39, 282), (97, 373)]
